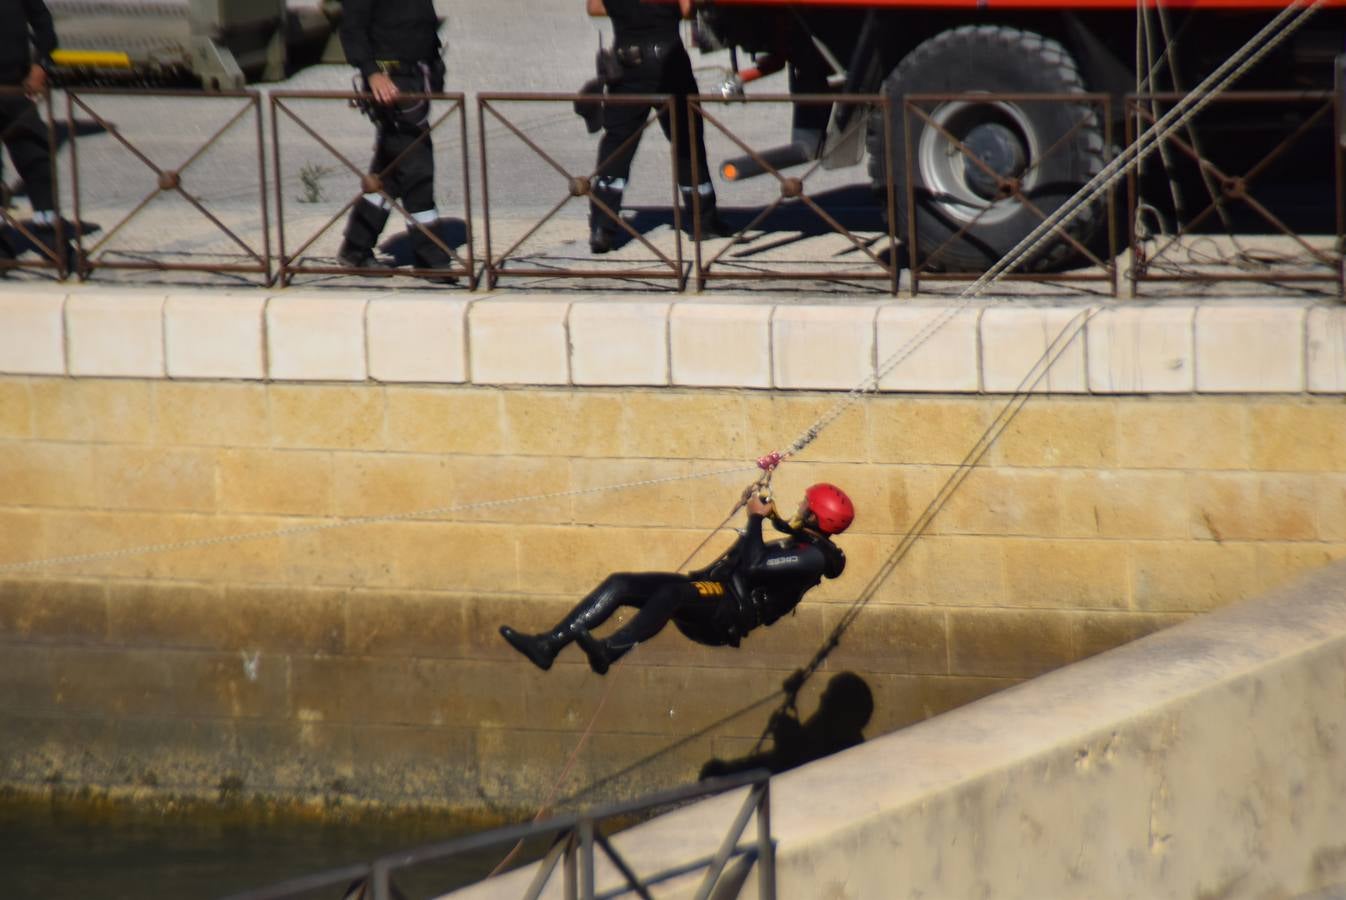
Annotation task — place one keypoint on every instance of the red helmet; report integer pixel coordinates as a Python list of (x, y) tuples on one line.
[(831, 507)]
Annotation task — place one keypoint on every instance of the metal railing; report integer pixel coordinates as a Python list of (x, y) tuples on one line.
[(1228, 193), (574, 183), (730, 261), (184, 162), (166, 178), (576, 837), (297, 260)]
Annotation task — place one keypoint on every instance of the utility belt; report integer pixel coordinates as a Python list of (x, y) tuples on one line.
[(401, 66), (633, 55), (739, 608), (405, 116)]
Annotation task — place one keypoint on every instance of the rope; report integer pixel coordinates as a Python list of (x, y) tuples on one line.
[(196, 543)]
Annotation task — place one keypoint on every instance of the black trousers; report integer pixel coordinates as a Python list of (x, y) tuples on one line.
[(658, 598), (25, 137), (407, 129), (670, 73)]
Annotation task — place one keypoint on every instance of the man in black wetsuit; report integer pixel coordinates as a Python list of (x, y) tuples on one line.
[(754, 583), (395, 46), (651, 60), (21, 128)]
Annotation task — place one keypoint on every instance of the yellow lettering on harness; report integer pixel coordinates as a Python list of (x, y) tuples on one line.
[(709, 588)]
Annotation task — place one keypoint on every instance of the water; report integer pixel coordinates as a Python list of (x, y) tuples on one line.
[(51, 853)]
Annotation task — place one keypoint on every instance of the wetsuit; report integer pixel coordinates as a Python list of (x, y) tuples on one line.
[(399, 38), (754, 583)]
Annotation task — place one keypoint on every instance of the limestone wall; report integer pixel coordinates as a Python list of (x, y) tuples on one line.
[(347, 652)]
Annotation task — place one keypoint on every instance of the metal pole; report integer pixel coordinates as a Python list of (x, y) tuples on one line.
[(282, 262), (74, 183), (485, 195), (379, 880), (721, 858), (587, 858), (766, 850), (571, 876)]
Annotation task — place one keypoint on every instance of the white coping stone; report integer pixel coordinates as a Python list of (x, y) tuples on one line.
[(619, 342), (1250, 347), (1014, 339), (418, 339), (310, 338), (32, 336), (721, 345), (935, 348), (215, 335), (114, 333), (1143, 349), (822, 347), (518, 340), (1326, 329)]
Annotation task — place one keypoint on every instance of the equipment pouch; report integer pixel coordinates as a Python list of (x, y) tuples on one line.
[(608, 67)]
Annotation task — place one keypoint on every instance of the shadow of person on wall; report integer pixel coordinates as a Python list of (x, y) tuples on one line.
[(843, 712)]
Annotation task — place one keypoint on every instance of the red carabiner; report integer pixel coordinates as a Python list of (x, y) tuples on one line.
[(769, 462)]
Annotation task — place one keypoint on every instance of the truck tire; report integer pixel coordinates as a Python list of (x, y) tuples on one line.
[(1031, 141)]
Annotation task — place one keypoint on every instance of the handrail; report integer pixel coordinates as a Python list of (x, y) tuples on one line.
[(576, 835)]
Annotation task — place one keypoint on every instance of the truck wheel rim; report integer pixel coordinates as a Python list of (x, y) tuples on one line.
[(1001, 134)]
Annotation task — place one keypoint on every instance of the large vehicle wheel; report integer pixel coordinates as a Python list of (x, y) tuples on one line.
[(1042, 151)]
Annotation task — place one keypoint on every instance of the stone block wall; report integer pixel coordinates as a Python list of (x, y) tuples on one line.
[(281, 575)]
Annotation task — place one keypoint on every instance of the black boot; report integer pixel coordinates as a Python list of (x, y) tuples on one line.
[(429, 255), (711, 225), (600, 659), (362, 231), (602, 227), (540, 648), (59, 251)]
